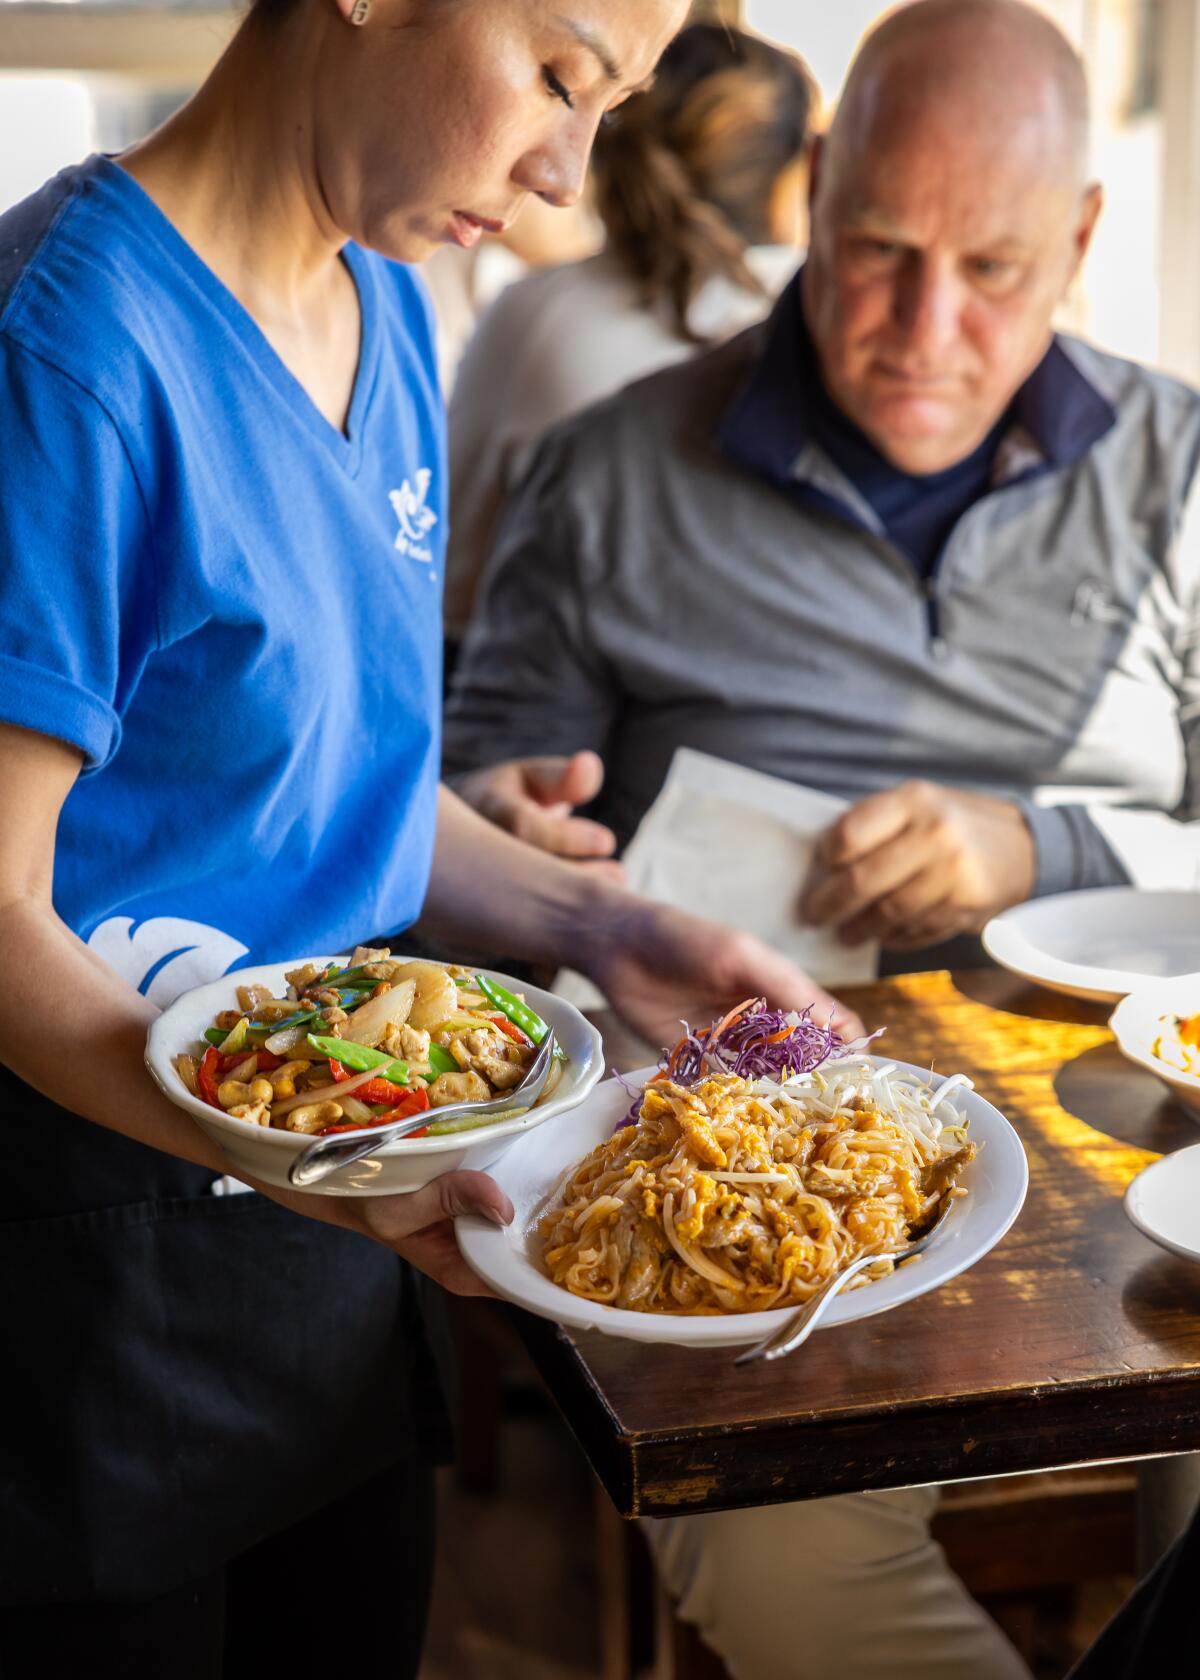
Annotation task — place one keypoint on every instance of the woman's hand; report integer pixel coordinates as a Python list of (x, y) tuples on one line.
[(419, 1226), (659, 966)]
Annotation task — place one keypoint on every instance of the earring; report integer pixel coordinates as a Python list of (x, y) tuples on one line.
[(360, 11)]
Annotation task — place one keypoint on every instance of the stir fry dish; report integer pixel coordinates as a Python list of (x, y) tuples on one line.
[(377, 1040), (762, 1158), (1179, 1044)]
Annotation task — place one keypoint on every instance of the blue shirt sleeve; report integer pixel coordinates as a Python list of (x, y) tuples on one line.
[(77, 609)]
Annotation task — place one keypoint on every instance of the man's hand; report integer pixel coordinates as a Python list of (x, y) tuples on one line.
[(917, 864), (534, 798), (659, 966)]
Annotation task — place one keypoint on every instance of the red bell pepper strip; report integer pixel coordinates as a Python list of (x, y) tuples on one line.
[(206, 1076), (264, 1061), (375, 1090), (510, 1029), (411, 1102)]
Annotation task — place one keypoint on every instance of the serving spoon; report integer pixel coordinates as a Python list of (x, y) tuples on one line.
[(326, 1155), (800, 1326)]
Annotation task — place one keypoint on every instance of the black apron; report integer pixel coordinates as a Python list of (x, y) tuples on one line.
[(185, 1373)]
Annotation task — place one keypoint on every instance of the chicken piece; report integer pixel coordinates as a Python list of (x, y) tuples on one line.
[(304, 976), (731, 1229), (470, 1048), (501, 1076), (364, 954), (457, 1087), (483, 1051), (830, 1181), (407, 1044), (333, 1022)]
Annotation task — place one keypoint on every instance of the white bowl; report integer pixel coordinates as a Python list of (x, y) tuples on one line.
[(1138, 1020), (1100, 943), (510, 1259), (262, 1153), (1164, 1202)]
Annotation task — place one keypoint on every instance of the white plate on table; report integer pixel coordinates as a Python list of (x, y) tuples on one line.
[(1164, 1202), (1144, 1016), (407, 1164), (1098, 944), (534, 1167)]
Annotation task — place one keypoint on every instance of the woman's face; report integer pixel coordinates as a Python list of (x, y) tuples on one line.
[(437, 118)]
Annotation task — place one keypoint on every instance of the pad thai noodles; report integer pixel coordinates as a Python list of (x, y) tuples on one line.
[(761, 1159)]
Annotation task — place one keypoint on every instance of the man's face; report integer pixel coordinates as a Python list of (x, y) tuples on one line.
[(937, 259)]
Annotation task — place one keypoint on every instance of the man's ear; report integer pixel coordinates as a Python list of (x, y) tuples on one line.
[(815, 157), (1089, 214)]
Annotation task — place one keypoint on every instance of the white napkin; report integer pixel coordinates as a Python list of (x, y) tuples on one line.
[(735, 844)]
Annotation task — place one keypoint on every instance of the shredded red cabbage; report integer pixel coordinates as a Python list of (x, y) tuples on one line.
[(757, 1043)]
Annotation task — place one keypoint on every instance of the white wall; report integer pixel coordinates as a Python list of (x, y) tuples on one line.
[(45, 123)]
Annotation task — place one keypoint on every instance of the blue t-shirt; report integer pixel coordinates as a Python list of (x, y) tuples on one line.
[(231, 608)]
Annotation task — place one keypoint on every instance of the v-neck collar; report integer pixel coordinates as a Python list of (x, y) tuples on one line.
[(346, 447)]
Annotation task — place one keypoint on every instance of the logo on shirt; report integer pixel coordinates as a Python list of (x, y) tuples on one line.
[(1093, 604), (166, 955), (416, 519)]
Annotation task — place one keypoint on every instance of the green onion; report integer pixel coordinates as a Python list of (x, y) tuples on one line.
[(469, 1123)]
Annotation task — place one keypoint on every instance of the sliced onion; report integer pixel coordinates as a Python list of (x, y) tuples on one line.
[(371, 1020), (291, 1038), (343, 1088), (356, 1112)]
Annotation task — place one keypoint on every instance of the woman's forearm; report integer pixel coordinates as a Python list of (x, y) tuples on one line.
[(489, 891), (83, 1041)]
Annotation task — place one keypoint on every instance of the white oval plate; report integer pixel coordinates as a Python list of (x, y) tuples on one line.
[(1098, 944), (259, 1152), (535, 1166), (1164, 1202), (1138, 1020)]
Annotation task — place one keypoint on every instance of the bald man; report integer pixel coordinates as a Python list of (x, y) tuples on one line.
[(976, 531), (905, 544)]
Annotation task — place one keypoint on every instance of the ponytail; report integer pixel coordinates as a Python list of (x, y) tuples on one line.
[(683, 174)]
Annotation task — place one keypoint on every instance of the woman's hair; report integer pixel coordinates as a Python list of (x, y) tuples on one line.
[(683, 174)]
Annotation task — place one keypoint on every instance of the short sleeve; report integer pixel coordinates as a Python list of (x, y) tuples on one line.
[(76, 617)]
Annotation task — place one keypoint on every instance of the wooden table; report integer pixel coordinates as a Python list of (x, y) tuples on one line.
[(1076, 1340)]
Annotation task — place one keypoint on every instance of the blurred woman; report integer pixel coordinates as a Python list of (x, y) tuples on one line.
[(699, 185)]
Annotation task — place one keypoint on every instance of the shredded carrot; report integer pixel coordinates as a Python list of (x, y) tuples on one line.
[(733, 1015)]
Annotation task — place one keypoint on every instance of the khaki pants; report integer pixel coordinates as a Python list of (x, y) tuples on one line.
[(851, 1588)]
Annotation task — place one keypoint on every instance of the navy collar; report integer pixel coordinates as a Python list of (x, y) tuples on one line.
[(1056, 416)]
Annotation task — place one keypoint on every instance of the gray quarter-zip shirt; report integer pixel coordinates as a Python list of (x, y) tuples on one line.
[(662, 579)]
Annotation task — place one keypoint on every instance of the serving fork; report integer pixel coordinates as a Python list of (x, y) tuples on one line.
[(800, 1326), (326, 1155)]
